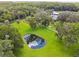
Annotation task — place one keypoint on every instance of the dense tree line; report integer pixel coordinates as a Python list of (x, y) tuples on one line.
[(40, 19), (15, 13), (68, 30), (69, 16), (12, 11), (10, 39)]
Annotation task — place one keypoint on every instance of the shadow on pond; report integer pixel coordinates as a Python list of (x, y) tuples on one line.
[(34, 41)]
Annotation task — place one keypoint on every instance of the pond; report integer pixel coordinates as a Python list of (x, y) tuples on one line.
[(33, 41)]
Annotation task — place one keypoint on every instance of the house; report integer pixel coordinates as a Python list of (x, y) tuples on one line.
[(54, 15)]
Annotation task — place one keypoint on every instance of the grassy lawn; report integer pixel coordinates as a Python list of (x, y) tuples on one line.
[(52, 47)]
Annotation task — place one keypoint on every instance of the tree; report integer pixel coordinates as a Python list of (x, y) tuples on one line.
[(42, 18), (31, 21), (10, 40), (6, 47), (64, 15), (73, 18), (68, 33), (68, 16)]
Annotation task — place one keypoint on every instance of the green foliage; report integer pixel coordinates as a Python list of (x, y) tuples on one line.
[(40, 19), (68, 33), (52, 44), (37, 14), (64, 15), (6, 47), (10, 40), (12, 11), (31, 21), (67, 16)]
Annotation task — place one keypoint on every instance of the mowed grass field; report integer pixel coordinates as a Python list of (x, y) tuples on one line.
[(52, 48)]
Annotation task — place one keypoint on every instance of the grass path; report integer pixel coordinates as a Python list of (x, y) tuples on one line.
[(52, 47)]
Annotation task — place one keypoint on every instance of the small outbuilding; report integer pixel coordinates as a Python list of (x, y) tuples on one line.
[(54, 15)]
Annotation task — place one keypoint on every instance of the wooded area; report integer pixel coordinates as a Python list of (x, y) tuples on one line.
[(20, 18)]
